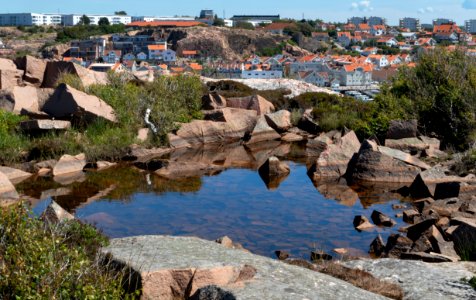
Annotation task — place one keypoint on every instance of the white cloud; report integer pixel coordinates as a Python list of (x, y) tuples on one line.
[(469, 4), (362, 6), (425, 10)]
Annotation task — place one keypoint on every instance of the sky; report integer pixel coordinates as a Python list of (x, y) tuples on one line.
[(333, 10)]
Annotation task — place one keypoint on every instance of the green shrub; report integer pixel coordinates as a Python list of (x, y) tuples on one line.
[(441, 93), (52, 262), (12, 143), (472, 282)]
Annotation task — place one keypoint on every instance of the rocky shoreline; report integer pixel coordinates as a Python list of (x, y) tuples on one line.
[(441, 219)]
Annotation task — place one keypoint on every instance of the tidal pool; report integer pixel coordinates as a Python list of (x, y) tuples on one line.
[(298, 216)]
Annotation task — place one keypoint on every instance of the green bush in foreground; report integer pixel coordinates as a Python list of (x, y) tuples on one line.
[(38, 261), (171, 99), (472, 282)]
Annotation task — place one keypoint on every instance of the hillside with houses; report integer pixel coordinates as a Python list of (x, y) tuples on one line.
[(358, 54)]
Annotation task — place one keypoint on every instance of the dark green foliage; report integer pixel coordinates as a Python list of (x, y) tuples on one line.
[(11, 142), (103, 22), (230, 89), (466, 165), (85, 20), (40, 261), (472, 282), (120, 13), (441, 93), (78, 32), (244, 25), (171, 99)]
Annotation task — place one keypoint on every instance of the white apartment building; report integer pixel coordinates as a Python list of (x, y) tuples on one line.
[(29, 19), (74, 19), (154, 19), (259, 74), (470, 26), (32, 19), (410, 23)]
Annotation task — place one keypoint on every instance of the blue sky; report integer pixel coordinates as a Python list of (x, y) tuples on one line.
[(332, 10)]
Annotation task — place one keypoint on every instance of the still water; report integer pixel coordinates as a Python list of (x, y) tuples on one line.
[(297, 216)]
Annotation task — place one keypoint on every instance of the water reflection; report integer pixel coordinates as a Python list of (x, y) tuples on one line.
[(292, 213)]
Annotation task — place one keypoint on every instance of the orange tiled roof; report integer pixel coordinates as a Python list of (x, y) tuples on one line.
[(364, 26), (196, 67), (189, 52), (344, 33), (446, 28), (165, 24), (278, 26), (353, 67), (156, 47), (72, 58)]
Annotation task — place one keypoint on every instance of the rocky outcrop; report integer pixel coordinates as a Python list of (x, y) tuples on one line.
[(174, 170), (399, 129), (68, 164), (41, 125), (414, 144), (14, 175), (436, 184), (381, 219), (263, 132), (241, 120), (273, 172), (68, 103), (362, 223), (256, 103), (228, 125), (280, 120), (56, 214), (54, 69), (34, 69), (164, 266), (333, 161), (308, 124), (229, 44), (372, 164), (421, 280), (213, 101), (7, 190), (318, 145), (10, 76), (20, 98)]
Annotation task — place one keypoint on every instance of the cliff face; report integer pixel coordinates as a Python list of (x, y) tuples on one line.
[(230, 44)]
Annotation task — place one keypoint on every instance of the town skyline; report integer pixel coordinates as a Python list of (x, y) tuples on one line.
[(337, 11)]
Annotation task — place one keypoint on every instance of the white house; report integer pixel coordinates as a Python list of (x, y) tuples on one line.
[(389, 42), (129, 56), (141, 56), (260, 74), (112, 56), (425, 42), (155, 51), (355, 75), (169, 55), (369, 51), (379, 61)]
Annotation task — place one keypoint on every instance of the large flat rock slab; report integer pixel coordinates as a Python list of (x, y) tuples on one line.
[(421, 280), (154, 256)]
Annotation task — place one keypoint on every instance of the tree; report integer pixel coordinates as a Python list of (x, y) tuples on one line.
[(218, 21), (120, 13), (103, 22), (85, 20), (244, 25)]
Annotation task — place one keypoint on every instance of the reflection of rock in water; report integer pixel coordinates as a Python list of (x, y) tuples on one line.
[(376, 193), (273, 172), (337, 189)]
